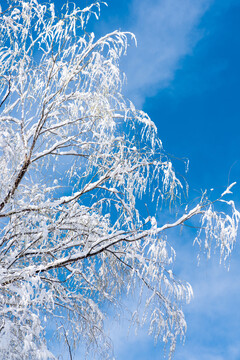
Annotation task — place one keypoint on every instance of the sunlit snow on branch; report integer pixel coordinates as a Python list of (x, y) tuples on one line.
[(77, 163)]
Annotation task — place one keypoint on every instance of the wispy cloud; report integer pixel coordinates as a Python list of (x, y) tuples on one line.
[(213, 315), (166, 31)]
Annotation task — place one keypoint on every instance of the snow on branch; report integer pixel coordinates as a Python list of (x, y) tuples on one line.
[(220, 229), (77, 164)]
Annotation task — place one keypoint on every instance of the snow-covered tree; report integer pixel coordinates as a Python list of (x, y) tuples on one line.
[(77, 164)]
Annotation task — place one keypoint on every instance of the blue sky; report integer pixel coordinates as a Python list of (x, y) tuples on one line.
[(185, 74)]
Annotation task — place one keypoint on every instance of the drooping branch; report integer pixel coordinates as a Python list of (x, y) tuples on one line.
[(7, 92)]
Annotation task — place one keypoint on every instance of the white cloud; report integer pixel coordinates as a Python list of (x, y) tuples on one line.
[(166, 31), (212, 316)]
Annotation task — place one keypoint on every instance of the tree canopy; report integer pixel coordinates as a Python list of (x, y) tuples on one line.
[(77, 164)]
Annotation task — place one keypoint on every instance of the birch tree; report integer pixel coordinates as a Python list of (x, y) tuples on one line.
[(77, 164)]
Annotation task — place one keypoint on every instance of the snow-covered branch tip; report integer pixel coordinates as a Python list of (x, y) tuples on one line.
[(219, 229)]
